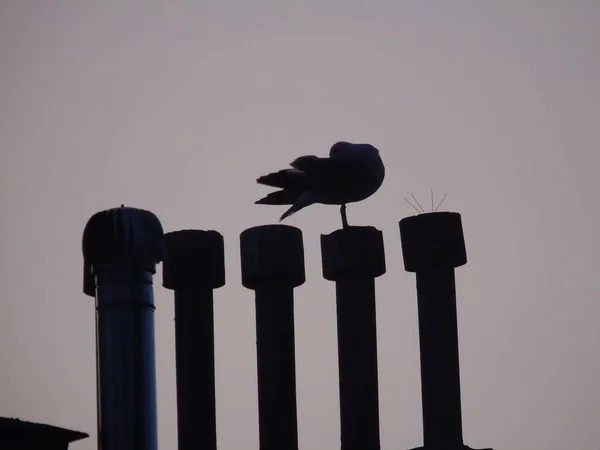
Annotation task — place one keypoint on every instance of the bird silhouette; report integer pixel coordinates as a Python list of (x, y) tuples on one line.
[(351, 173)]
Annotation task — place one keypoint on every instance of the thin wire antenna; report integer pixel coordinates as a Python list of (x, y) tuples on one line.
[(418, 204), (444, 198), (431, 199), (415, 208)]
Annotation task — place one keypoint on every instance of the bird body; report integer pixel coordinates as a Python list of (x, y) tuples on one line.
[(351, 173)]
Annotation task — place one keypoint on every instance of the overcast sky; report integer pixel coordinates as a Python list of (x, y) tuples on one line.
[(177, 107)]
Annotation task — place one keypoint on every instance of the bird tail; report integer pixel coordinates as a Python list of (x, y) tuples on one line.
[(304, 200), (282, 197), (287, 178)]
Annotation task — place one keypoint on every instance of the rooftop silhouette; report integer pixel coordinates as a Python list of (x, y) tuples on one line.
[(18, 434)]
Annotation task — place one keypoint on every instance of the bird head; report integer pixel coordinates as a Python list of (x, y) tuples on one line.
[(364, 153)]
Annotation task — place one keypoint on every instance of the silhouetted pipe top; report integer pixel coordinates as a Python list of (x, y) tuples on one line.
[(353, 251), (432, 241), (123, 234), (272, 254), (193, 258)]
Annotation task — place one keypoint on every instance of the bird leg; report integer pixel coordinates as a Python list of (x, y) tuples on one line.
[(344, 218)]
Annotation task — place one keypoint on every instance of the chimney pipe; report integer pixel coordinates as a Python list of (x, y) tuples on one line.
[(353, 257), (121, 247), (272, 259), (193, 266), (433, 246)]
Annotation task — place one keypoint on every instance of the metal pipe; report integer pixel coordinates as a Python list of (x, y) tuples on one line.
[(273, 265), (193, 266), (276, 367), (440, 373), (121, 247), (433, 246), (353, 257)]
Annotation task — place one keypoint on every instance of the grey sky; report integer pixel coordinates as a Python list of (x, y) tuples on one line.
[(177, 107)]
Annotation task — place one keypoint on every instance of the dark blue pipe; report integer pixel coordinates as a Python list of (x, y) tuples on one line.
[(121, 247)]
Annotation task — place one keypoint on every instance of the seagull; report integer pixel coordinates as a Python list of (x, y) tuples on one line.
[(351, 173)]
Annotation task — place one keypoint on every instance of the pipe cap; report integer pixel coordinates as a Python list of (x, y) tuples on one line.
[(121, 235), (193, 258), (272, 254), (353, 252), (432, 241)]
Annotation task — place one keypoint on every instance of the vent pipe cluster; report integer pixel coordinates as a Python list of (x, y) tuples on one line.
[(121, 248)]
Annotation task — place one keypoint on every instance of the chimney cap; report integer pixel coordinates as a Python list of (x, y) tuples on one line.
[(432, 241), (353, 252), (122, 234), (272, 254), (193, 258)]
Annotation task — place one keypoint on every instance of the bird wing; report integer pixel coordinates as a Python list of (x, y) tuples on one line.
[(282, 197), (311, 173), (328, 173), (284, 179), (304, 162)]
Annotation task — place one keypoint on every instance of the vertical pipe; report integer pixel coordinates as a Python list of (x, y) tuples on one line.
[(121, 247), (433, 246), (353, 257), (272, 259), (440, 374), (275, 351), (193, 266)]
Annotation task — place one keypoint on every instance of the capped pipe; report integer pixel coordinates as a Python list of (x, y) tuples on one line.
[(272, 259), (353, 257), (121, 247), (193, 266), (433, 246)]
